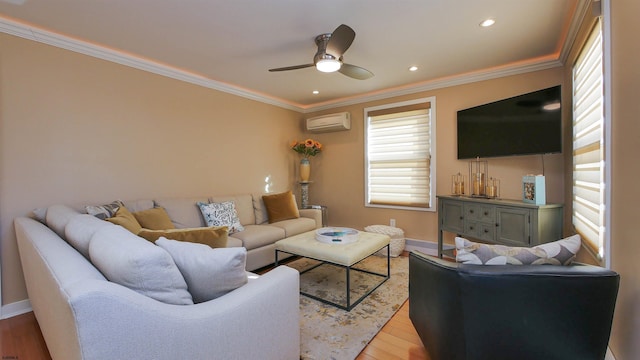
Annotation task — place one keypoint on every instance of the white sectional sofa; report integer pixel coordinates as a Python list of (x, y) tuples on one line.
[(83, 315)]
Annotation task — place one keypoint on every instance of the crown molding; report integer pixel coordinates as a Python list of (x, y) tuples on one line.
[(578, 17), (64, 42), (462, 79), (22, 30)]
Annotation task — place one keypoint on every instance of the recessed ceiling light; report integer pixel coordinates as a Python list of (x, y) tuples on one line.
[(316, 92), (413, 68), (487, 23)]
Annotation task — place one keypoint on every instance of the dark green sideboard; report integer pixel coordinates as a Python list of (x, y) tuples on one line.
[(498, 221)]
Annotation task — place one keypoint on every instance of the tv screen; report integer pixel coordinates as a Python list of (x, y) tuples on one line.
[(522, 125)]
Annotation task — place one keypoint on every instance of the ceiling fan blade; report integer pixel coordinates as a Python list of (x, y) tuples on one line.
[(340, 40), (355, 72), (296, 67)]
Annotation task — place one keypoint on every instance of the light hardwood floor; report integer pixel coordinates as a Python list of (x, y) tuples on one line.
[(21, 339)]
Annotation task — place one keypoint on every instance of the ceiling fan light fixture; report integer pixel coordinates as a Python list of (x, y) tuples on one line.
[(328, 65)]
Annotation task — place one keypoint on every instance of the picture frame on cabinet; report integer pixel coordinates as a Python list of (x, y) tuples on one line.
[(533, 189)]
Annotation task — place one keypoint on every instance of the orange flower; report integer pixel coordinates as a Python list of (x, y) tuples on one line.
[(306, 148)]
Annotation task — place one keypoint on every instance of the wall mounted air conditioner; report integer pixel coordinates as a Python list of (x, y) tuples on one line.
[(332, 122)]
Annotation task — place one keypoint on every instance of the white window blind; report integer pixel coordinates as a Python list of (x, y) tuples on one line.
[(399, 156), (588, 144)]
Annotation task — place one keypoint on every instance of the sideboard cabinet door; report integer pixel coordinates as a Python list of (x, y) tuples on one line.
[(452, 216), (513, 226)]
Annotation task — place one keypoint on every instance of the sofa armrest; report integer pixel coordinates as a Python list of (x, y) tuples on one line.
[(114, 322), (315, 214)]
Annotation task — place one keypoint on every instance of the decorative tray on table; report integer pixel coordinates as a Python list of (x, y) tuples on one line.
[(337, 235)]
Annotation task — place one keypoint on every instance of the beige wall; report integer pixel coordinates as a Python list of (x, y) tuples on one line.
[(75, 129), (338, 173), (625, 168)]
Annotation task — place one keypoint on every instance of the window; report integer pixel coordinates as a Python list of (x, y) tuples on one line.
[(589, 146), (400, 155)]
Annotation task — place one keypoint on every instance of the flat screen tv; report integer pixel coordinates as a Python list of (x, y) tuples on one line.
[(522, 125)]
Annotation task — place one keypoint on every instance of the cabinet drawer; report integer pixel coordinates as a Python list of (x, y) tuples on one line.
[(479, 212), (479, 230)]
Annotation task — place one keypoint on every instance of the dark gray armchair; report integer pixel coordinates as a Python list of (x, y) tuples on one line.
[(511, 311)]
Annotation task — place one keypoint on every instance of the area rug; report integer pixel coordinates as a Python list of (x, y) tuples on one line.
[(331, 333)]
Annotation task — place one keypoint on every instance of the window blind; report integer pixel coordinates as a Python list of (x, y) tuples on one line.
[(399, 158), (588, 144)]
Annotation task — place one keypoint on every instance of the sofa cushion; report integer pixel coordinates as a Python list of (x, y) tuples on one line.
[(280, 207), (184, 212), (209, 273), (255, 236), (138, 205), (243, 204), (561, 252), (259, 209), (215, 237), (80, 229), (58, 216), (154, 219), (296, 226), (137, 264), (104, 211), (125, 218), (221, 214)]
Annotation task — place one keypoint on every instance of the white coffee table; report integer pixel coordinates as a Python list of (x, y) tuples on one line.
[(342, 255)]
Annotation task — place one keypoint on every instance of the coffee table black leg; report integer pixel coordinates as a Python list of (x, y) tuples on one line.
[(388, 262), (348, 288)]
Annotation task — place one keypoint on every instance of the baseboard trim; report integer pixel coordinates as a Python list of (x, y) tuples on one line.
[(15, 309), (424, 246)]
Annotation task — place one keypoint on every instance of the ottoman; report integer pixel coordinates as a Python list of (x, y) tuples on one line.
[(396, 245)]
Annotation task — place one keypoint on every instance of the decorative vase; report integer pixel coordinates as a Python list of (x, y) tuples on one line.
[(305, 169)]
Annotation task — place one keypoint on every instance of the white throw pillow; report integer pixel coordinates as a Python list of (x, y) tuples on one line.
[(560, 252), (133, 262), (209, 272), (221, 214)]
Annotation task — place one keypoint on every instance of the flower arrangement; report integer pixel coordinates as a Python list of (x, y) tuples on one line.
[(307, 148)]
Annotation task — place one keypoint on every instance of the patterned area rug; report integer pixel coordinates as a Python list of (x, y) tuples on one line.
[(331, 333)]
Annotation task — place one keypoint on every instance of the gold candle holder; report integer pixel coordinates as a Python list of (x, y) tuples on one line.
[(457, 184), (493, 188), (478, 172)]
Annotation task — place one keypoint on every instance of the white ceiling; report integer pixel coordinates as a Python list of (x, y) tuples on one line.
[(230, 45)]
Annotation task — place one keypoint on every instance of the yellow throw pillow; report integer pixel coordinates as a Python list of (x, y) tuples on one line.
[(154, 219), (125, 218), (214, 236), (281, 207)]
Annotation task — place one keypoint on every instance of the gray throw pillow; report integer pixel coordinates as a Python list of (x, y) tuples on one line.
[(209, 272), (80, 229), (133, 262)]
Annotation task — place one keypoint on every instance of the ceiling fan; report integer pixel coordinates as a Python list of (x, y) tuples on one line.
[(328, 58)]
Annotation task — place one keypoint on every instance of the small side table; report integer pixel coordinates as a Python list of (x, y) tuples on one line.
[(325, 215)]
